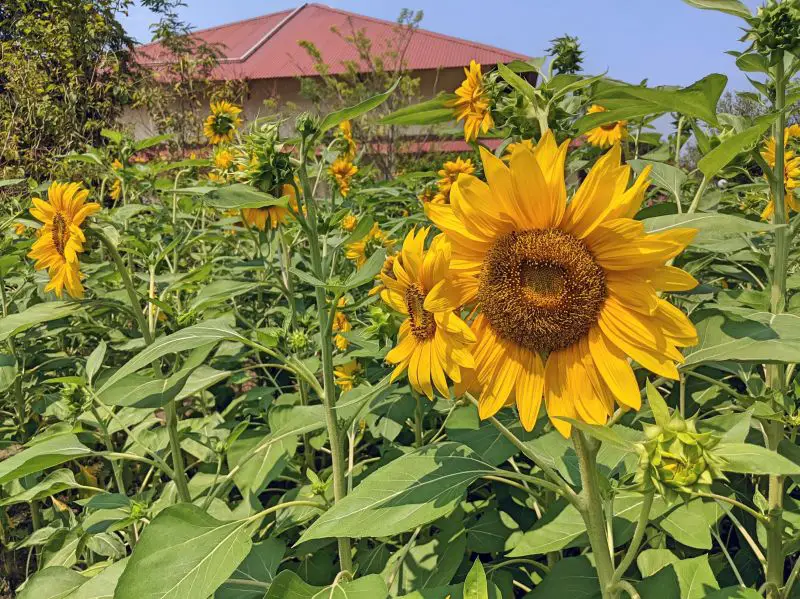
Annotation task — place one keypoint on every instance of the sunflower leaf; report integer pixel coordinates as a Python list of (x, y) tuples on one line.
[(657, 405)]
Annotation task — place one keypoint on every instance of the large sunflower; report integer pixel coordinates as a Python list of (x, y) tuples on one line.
[(565, 293), (433, 343), (221, 124), (791, 172), (606, 135), (61, 238), (472, 104)]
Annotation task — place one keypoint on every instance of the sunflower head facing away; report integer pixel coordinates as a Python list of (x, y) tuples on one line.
[(60, 237), (472, 104), (606, 135), (448, 174), (433, 343), (565, 293), (221, 124), (791, 171)]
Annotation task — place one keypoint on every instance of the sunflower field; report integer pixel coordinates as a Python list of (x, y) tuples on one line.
[(563, 364)]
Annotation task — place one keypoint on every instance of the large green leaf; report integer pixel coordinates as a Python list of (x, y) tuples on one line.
[(687, 578), (731, 7), (719, 157), (14, 324), (220, 291), (256, 573), (184, 554), (192, 337), (714, 230), (411, 491), (55, 482), (475, 586), (351, 112), (55, 582), (288, 585), (745, 336), (101, 586), (239, 195), (754, 459), (665, 176), (573, 578), (41, 456), (688, 524), (429, 112)]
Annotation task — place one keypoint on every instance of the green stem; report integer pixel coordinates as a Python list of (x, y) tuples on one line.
[(591, 508), (636, 541), (115, 467), (180, 479), (776, 378), (418, 416), (326, 337), (698, 196)]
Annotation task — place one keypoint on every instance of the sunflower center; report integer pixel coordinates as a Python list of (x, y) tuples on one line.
[(541, 289), (423, 326), (60, 233), (609, 126)]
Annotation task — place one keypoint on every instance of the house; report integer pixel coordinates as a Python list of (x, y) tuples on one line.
[(266, 53)]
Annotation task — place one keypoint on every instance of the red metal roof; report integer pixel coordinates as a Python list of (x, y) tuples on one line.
[(267, 47)]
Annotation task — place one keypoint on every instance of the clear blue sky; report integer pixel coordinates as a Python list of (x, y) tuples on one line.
[(667, 41)]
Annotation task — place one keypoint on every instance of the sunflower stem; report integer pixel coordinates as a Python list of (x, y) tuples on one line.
[(590, 506), (776, 372), (326, 339)]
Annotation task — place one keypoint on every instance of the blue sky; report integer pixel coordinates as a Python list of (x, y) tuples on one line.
[(666, 41)]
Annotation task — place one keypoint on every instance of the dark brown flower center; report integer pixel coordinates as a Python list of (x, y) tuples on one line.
[(60, 233), (423, 325), (609, 126), (541, 289)]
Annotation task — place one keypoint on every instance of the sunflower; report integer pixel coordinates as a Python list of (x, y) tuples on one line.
[(448, 174), (433, 343), (19, 229), (527, 143), (606, 135), (222, 123), (346, 134), (565, 292), (349, 222), (343, 170), (116, 189), (223, 158), (61, 238), (791, 173), (341, 324), (116, 165), (272, 215), (346, 374), (358, 250), (472, 103)]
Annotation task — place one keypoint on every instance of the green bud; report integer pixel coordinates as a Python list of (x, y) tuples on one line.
[(298, 341), (775, 28), (306, 124)]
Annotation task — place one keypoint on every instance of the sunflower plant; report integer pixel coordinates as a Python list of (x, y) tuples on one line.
[(263, 369)]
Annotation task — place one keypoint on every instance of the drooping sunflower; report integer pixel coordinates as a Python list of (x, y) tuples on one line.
[(447, 176), (220, 126), (606, 135), (116, 190), (346, 134), (272, 215), (791, 173), (345, 375), (343, 170), (61, 238), (341, 324), (565, 293), (473, 103), (433, 343)]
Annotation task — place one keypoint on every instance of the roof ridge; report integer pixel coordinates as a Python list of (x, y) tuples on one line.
[(444, 36)]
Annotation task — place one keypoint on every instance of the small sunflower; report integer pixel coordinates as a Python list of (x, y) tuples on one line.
[(346, 134), (510, 148), (61, 238), (448, 174), (349, 222), (19, 229), (472, 103), (606, 135), (343, 170), (116, 165), (565, 293), (345, 375), (220, 126), (791, 173), (341, 324), (223, 158), (433, 343), (116, 189), (359, 250)]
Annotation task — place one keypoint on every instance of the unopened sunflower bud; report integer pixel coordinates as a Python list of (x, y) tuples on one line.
[(774, 28), (306, 124), (298, 341)]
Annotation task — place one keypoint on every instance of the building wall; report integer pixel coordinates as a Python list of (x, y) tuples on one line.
[(286, 93)]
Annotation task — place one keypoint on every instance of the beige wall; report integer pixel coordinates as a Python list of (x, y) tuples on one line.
[(287, 91)]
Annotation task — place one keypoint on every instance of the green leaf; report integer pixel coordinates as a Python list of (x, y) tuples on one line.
[(8, 371), (221, 290), (351, 112), (41, 456), (184, 554), (687, 524), (149, 142), (211, 331), (254, 474), (734, 593), (55, 582), (411, 491), (518, 83), (288, 585), (601, 433), (101, 586), (731, 7), (429, 112), (754, 459), (431, 563), (142, 391), (719, 157), (95, 360), (475, 586), (657, 405), (691, 578), (14, 324), (714, 230), (361, 229), (260, 566), (53, 483), (665, 176), (10, 182), (573, 578), (465, 427), (239, 195), (368, 271)]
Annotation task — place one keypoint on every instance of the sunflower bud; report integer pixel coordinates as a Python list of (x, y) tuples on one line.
[(306, 124), (298, 341), (774, 28), (677, 459)]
